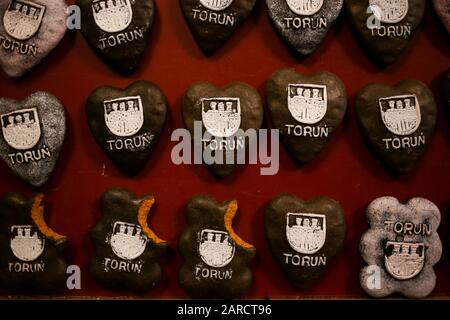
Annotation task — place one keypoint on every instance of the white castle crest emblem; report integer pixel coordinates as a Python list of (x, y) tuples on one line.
[(307, 102), (23, 18), (216, 5), (404, 260), (21, 129), (26, 244), (112, 15), (389, 11), (216, 248), (124, 117), (305, 7), (306, 232), (127, 240), (221, 116), (401, 114)]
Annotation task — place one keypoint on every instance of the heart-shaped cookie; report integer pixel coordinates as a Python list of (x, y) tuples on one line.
[(385, 27), (118, 31), (212, 22), (216, 258), (29, 31), (126, 249), (127, 123), (443, 9), (400, 248), (397, 122), (306, 109), (218, 118), (33, 132), (31, 254), (304, 236), (303, 24)]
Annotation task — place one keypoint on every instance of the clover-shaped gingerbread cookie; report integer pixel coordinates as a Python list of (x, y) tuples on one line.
[(126, 249), (31, 254), (216, 258), (400, 248)]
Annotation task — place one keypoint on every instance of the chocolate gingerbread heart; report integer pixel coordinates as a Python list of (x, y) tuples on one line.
[(31, 254), (216, 258), (212, 22), (127, 123), (385, 27), (118, 31), (33, 132), (397, 122), (29, 31), (126, 249), (400, 248), (306, 109), (443, 10), (303, 24), (304, 236), (226, 114)]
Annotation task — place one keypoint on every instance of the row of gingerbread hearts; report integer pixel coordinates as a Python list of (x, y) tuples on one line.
[(303, 236), (33, 152), (131, 26)]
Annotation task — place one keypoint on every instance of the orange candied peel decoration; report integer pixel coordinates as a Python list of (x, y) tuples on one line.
[(37, 214), (229, 216), (143, 212)]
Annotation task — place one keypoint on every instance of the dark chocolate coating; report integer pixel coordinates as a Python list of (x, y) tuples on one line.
[(384, 50), (303, 276), (125, 55), (403, 160), (304, 149), (251, 112), (119, 205), (129, 160), (203, 212), (15, 210), (211, 36)]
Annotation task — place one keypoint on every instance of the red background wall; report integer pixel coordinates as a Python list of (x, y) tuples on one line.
[(346, 171)]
